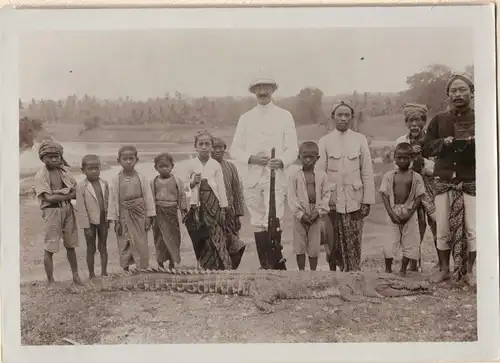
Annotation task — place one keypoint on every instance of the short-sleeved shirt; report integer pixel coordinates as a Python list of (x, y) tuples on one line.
[(417, 187)]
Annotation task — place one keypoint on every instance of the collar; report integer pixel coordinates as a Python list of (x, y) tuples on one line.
[(345, 133), (456, 112), (265, 107)]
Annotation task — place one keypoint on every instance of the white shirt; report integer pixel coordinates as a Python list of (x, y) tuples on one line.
[(259, 130), (212, 172)]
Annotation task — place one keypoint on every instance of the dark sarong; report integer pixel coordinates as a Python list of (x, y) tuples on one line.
[(167, 233), (457, 236), (207, 231), (133, 243), (345, 244)]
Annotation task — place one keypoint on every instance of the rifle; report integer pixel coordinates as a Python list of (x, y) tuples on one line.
[(268, 242)]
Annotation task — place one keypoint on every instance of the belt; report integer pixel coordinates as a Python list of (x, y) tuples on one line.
[(58, 204)]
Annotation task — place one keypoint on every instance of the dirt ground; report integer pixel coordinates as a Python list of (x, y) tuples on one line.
[(49, 315)]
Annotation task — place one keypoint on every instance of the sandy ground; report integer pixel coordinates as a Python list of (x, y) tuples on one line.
[(49, 315)]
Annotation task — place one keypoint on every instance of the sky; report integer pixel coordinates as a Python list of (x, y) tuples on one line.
[(222, 62)]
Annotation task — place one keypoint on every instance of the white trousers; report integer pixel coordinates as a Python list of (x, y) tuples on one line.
[(257, 201), (443, 203)]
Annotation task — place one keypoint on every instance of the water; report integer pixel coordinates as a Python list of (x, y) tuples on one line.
[(29, 162)]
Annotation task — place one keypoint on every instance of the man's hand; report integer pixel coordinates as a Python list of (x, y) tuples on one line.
[(417, 149), (118, 228), (365, 210), (184, 212), (275, 164), (237, 223), (259, 159), (87, 232), (449, 140)]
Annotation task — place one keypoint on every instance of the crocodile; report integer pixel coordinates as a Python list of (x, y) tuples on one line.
[(265, 287)]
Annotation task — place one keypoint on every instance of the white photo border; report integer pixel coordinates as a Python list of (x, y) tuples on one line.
[(481, 21)]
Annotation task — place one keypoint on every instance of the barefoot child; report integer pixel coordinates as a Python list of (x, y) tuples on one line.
[(168, 192), (308, 198), (92, 195), (415, 116), (402, 191), (132, 208), (55, 187)]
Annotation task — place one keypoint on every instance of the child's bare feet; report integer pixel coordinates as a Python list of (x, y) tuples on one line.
[(91, 276), (77, 280), (402, 273), (51, 281), (104, 274)]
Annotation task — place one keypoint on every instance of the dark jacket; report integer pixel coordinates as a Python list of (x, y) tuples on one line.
[(454, 158)]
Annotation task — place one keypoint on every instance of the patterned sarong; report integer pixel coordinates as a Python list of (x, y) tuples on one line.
[(234, 243), (428, 198), (457, 236), (167, 233), (207, 232), (133, 243), (347, 232)]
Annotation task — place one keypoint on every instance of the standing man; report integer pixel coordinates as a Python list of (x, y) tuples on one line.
[(259, 130), (345, 157), (236, 203), (451, 139)]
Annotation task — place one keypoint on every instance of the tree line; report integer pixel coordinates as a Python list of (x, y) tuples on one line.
[(309, 106)]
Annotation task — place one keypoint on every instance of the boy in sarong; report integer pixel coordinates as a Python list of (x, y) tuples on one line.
[(169, 195), (308, 199), (54, 188), (402, 191), (415, 116), (132, 209), (92, 195)]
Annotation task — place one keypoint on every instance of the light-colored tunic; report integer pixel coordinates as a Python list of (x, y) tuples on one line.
[(307, 239), (212, 172), (406, 236), (259, 130), (345, 157)]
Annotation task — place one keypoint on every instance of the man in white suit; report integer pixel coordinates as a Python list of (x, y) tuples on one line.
[(259, 130)]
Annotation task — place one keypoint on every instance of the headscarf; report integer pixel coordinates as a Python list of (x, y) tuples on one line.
[(411, 110), (342, 103), (51, 147), (466, 77)]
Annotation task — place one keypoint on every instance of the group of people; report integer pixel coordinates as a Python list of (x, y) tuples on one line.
[(330, 195)]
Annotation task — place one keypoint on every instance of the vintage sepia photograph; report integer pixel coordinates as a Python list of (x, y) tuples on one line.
[(245, 184)]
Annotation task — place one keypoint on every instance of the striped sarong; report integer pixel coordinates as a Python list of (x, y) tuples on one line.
[(457, 237), (207, 231)]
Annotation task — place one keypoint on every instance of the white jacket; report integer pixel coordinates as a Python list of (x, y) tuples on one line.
[(259, 130)]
